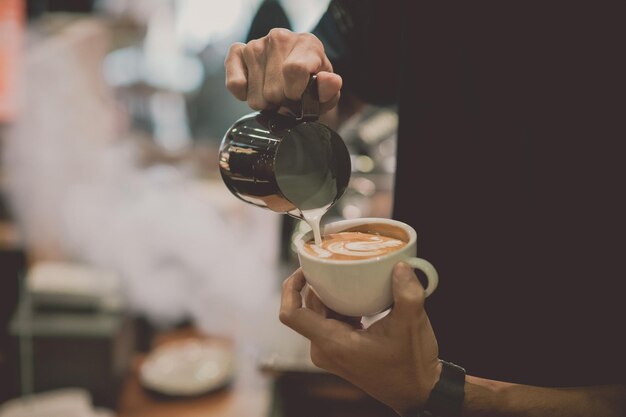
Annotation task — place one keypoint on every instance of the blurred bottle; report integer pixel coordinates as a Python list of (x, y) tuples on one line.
[(11, 37)]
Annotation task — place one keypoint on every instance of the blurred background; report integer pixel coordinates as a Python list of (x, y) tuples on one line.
[(132, 283)]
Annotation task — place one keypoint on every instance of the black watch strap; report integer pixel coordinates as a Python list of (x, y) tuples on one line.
[(446, 398)]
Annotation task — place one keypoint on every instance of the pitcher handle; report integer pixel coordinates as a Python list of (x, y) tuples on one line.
[(307, 109)]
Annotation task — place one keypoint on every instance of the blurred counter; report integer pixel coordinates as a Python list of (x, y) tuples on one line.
[(249, 394)]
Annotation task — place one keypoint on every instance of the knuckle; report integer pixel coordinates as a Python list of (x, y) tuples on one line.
[(236, 85), (272, 94), (284, 317), (254, 48), (235, 48), (256, 103), (414, 298), (248, 54), (292, 69), (279, 35), (310, 38)]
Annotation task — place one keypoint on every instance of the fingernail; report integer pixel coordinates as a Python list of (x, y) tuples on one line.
[(402, 272)]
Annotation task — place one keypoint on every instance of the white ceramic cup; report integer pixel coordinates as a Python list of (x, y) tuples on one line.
[(362, 287)]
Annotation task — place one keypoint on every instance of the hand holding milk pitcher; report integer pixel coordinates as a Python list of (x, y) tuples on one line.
[(285, 160), (282, 159)]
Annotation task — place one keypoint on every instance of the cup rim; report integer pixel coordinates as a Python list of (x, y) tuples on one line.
[(299, 241)]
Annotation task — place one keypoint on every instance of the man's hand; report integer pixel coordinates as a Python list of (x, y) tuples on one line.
[(267, 71), (395, 360)]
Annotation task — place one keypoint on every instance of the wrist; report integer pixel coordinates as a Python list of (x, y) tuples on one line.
[(447, 395), (415, 397)]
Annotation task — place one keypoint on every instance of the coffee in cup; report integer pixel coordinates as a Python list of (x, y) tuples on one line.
[(352, 245)]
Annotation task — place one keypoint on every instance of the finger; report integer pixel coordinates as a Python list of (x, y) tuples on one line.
[(328, 85), (279, 44), (408, 293), (291, 297), (329, 105), (305, 321), (306, 58), (236, 74), (254, 59), (312, 301)]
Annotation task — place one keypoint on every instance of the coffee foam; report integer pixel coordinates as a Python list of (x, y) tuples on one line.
[(381, 229), (353, 245)]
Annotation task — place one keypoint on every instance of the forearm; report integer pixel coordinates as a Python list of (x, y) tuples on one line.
[(499, 399)]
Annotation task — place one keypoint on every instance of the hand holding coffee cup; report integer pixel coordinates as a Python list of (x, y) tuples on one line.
[(351, 271)]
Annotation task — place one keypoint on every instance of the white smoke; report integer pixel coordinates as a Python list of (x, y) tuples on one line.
[(183, 248)]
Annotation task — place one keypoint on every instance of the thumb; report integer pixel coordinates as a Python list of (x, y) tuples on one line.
[(328, 85), (408, 293)]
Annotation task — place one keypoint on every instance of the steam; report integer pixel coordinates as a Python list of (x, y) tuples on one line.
[(183, 249)]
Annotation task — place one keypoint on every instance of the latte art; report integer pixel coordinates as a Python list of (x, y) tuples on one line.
[(374, 247), (353, 245)]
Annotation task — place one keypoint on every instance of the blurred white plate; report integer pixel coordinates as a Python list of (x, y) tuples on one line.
[(187, 368), (65, 402)]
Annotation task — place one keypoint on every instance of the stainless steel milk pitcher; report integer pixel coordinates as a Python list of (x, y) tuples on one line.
[(285, 160)]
